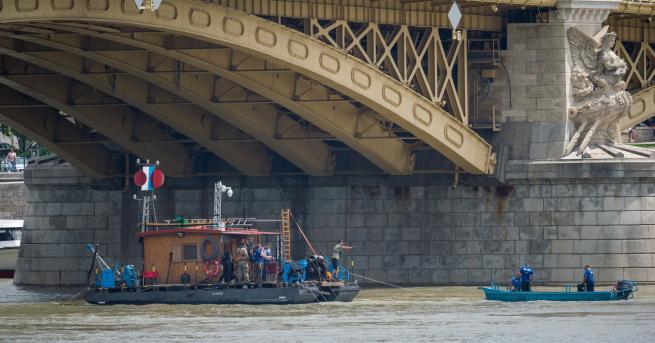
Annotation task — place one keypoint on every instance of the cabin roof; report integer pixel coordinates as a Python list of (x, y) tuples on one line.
[(204, 229)]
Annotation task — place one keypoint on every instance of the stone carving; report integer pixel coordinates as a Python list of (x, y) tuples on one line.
[(599, 99)]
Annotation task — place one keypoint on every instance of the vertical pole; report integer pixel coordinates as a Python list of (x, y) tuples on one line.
[(462, 77)]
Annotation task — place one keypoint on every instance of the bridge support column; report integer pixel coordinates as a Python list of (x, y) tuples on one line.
[(65, 211), (538, 61)]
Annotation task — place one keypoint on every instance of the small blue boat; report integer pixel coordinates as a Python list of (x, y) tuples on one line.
[(624, 290)]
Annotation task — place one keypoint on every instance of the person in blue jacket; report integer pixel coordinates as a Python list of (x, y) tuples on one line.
[(515, 286), (587, 279), (526, 278)]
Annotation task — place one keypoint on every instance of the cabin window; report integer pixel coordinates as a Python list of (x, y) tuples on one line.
[(190, 252)]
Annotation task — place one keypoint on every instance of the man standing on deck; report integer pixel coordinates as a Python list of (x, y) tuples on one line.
[(242, 265), (526, 278), (336, 257), (587, 280), (258, 264)]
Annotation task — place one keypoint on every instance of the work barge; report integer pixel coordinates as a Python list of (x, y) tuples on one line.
[(197, 254)]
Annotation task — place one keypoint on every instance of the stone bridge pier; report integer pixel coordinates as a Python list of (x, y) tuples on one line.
[(404, 229)]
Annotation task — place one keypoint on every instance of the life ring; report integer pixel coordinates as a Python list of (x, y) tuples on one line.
[(212, 268), (214, 251)]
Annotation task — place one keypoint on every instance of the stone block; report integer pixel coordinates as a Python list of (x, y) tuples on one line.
[(630, 217), (410, 261), (550, 260), (634, 246), (540, 246), (479, 276), (497, 247), (429, 261), (535, 260), (448, 261), (458, 276), (608, 274), (563, 275), (596, 246), (493, 261), (106, 208), (398, 276), (521, 247), (541, 218), (521, 219), (375, 262), (591, 204), (636, 274), (632, 204), (608, 217), (550, 232), (441, 248), (440, 276), (562, 246), (531, 232), (568, 260), (70, 277), (584, 218)]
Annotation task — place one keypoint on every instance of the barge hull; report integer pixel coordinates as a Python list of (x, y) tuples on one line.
[(142, 296)]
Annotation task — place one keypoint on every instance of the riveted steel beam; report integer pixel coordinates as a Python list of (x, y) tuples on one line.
[(337, 116), (643, 107), (48, 127), (290, 49), (197, 122), (120, 124)]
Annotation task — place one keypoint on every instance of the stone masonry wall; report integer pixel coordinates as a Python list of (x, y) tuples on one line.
[(63, 214), (405, 230), (12, 200)]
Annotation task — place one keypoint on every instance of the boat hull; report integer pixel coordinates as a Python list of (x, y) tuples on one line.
[(190, 295), (502, 295)]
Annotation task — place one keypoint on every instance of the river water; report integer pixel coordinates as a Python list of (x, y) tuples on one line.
[(427, 314)]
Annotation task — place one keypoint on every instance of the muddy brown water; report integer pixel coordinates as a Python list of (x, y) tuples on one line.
[(425, 314)]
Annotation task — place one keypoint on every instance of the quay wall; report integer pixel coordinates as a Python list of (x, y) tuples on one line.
[(405, 230), (13, 195)]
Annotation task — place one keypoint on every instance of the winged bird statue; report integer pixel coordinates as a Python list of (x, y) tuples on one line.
[(599, 99)]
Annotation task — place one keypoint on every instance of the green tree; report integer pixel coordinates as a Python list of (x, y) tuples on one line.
[(25, 144)]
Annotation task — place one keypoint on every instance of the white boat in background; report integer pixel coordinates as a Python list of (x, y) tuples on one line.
[(10, 234)]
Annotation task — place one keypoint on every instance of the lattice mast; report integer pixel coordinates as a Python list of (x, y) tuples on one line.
[(219, 188)]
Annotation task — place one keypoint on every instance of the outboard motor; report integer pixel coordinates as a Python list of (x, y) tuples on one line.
[(625, 289)]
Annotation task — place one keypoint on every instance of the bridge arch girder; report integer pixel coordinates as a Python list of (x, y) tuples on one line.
[(336, 116), (121, 124), (133, 88), (255, 36), (58, 134)]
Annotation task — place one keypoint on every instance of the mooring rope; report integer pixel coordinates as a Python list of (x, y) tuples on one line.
[(381, 282)]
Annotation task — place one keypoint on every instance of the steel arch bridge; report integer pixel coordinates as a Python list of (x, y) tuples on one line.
[(83, 76)]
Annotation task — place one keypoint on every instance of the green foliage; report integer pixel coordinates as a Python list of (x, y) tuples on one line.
[(26, 146)]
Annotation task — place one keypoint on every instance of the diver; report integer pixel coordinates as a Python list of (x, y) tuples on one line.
[(515, 285), (526, 278)]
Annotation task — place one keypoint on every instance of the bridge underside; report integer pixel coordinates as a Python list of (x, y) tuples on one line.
[(206, 90)]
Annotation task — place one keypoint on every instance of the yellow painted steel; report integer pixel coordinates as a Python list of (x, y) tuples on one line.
[(339, 118), (643, 107), (249, 157), (53, 131), (120, 124), (288, 48)]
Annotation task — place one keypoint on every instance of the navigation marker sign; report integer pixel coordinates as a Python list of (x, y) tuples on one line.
[(454, 15)]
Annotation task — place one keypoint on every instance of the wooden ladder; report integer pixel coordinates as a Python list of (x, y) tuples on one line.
[(285, 215)]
